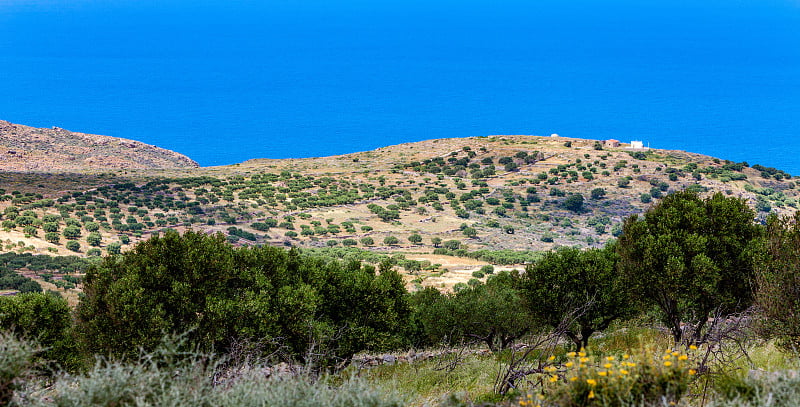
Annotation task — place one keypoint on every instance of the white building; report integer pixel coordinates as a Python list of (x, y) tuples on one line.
[(636, 144)]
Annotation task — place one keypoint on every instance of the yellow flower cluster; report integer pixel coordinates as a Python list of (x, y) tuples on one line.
[(528, 401), (602, 376)]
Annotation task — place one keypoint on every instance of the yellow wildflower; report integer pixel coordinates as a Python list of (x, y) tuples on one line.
[(608, 365), (602, 373), (668, 363), (591, 394), (626, 356), (573, 378), (582, 354), (584, 359), (568, 364), (552, 358), (623, 372), (553, 378), (692, 347), (609, 358), (591, 382), (571, 354), (692, 372), (667, 357), (676, 353), (683, 357)]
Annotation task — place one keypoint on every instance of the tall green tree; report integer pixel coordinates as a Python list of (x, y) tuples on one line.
[(576, 285), (690, 256)]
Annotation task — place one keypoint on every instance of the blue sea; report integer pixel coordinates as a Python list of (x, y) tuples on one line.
[(227, 81)]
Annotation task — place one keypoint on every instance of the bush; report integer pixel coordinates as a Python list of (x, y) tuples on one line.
[(72, 232), (114, 248), (573, 203), (46, 317), (470, 232), (94, 239), (777, 271), (74, 246), (265, 294)]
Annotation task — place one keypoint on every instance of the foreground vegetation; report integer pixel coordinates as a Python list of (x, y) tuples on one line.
[(694, 305)]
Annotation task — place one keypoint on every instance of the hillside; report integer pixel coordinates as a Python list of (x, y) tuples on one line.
[(441, 208), (24, 148)]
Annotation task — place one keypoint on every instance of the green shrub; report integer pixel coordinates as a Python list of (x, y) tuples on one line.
[(46, 317), (74, 246), (277, 297), (777, 268)]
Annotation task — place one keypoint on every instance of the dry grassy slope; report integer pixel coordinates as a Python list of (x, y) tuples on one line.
[(617, 204), (24, 148), (532, 228)]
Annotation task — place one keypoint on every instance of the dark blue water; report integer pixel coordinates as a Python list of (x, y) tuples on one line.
[(228, 81)]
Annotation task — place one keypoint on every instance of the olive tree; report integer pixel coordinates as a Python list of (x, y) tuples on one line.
[(223, 295), (690, 256), (492, 313), (581, 285)]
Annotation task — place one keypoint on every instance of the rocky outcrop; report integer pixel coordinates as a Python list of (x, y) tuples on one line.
[(24, 148)]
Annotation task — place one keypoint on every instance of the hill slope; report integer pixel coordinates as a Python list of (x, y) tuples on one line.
[(427, 204), (24, 148)]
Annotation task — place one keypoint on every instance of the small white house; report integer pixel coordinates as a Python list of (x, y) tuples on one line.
[(636, 144)]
